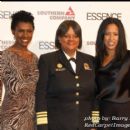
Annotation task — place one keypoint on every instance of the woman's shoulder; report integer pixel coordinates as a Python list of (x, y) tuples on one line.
[(48, 55), (128, 52), (5, 55), (33, 54), (86, 56), (127, 56), (4, 52)]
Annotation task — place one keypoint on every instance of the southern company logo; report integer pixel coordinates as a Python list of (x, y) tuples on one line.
[(70, 12), (59, 15)]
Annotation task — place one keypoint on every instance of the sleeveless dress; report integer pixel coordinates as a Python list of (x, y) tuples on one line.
[(19, 77)]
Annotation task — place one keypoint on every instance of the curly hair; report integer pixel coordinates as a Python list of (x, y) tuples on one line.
[(21, 16)]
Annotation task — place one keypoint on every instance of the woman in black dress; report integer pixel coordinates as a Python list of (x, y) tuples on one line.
[(113, 75)]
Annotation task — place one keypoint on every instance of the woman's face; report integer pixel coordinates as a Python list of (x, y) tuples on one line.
[(70, 41), (23, 34), (111, 37)]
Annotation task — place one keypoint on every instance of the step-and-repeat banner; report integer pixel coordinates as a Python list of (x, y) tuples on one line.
[(48, 16)]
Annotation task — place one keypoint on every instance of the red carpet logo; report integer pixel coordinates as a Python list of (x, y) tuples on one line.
[(70, 12)]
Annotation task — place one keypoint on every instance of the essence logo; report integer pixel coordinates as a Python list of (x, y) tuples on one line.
[(90, 43), (46, 45), (59, 15), (5, 14), (102, 16), (5, 43)]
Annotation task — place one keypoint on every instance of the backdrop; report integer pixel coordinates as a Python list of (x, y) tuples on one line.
[(48, 16)]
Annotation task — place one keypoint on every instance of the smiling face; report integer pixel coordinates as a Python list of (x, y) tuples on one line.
[(111, 37), (23, 34), (70, 41)]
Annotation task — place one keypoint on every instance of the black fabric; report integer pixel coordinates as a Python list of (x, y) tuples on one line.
[(113, 81), (73, 59), (118, 115), (56, 90)]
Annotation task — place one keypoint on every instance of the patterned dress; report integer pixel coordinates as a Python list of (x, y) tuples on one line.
[(19, 77)]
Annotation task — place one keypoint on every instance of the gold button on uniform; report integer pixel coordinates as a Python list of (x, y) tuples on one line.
[(76, 77), (77, 85), (77, 93), (77, 102)]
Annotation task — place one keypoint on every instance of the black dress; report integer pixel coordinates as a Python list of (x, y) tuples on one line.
[(114, 94)]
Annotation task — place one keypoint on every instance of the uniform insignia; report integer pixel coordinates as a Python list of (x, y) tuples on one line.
[(86, 66), (59, 66)]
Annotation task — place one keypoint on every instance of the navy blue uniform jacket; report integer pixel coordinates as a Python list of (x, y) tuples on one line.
[(63, 96)]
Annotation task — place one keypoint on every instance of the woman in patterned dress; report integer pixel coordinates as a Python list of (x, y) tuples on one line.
[(19, 74)]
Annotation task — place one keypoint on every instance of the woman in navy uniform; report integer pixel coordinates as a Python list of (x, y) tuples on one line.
[(113, 74), (66, 88)]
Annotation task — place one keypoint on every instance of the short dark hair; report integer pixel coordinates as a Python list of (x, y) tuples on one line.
[(64, 27), (21, 16), (100, 47)]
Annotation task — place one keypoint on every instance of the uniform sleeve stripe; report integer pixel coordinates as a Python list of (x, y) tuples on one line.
[(42, 120), (38, 116), (39, 113), (95, 112)]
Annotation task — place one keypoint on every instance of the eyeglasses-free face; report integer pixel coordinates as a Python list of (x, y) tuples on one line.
[(70, 41), (23, 34), (111, 37)]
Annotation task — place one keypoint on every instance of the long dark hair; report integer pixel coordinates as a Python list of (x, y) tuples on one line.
[(100, 47)]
